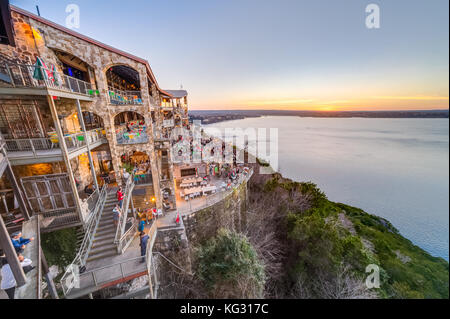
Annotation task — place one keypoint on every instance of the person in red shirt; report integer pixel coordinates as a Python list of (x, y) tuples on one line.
[(120, 197)]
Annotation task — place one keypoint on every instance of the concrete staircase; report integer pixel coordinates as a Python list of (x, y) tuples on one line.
[(103, 243)]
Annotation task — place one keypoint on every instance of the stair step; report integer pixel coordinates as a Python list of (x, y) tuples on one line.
[(103, 255), (106, 221), (106, 227), (101, 249), (104, 237), (105, 231), (103, 242)]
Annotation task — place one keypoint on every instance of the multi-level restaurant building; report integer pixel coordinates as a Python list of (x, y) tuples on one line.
[(78, 119), (76, 114)]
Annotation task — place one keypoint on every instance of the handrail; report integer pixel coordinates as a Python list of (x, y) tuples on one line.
[(85, 247), (120, 231), (73, 141), (152, 233), (117, 96), (219, 196)]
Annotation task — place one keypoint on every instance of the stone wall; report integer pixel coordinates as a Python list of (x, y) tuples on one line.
[(230, 213)]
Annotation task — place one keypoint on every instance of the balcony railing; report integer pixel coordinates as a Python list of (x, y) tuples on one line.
[(143, 179), (117, 96), (126, 228), (168, 123), (159, 135), (25, 75), (41, 146)]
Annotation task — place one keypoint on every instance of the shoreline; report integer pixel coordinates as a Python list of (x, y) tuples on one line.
[(211, 117)]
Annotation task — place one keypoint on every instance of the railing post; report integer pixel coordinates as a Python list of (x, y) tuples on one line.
[(32, 147), (70, 85), (10, 74), (21, 76), (11, 255)]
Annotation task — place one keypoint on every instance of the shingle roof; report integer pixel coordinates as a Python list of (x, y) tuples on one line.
[(177, 93)]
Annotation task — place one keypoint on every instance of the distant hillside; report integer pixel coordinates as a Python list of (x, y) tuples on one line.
[(215, 116)]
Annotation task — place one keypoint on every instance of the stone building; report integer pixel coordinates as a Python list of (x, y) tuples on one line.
[(75, 114)]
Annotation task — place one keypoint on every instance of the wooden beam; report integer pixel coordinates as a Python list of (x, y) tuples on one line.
[(65, 154), (11, 255)]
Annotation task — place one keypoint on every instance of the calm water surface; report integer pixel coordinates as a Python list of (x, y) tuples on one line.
[(394, 168)]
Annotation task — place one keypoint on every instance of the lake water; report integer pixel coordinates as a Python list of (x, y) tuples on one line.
[(394, 168)]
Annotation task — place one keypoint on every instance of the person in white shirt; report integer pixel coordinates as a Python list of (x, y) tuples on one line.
[(126, 175), (8, 283)]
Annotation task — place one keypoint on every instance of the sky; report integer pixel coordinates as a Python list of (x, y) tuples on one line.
[(279, 54)]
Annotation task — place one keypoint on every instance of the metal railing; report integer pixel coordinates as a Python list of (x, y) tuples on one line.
[(86, 244), (73, 142), (153, 284), (143, 179), (2, 141), (127, 138), (123, 236), (159, 135), (99, 278), (59, 218), (117, 96), (26, 75), (168, 123), (193, 205)]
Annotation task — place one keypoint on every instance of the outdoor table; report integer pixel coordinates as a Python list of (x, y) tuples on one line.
[(192, 190), (209, 188)]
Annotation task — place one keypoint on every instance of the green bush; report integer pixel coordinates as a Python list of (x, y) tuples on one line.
[(60, 247), (228, 261)]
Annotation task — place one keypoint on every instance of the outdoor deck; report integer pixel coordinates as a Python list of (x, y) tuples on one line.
[(31, 155)]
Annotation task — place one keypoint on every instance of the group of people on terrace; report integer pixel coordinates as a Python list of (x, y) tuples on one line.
[(8, 282)]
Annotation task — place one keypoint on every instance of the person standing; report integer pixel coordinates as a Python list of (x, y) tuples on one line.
[(116, 215), (8, 283), (143, 243), (120, 196), (19, 242)]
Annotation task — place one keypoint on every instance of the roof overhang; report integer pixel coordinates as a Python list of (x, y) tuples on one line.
[(90, 40)]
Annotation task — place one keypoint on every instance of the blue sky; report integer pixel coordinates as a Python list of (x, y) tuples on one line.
[(285, 54)]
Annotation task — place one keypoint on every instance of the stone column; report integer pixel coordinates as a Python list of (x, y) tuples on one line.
[(113, 147)]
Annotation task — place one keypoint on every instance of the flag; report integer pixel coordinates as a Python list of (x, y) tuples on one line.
[(178, 218), (37, 74)]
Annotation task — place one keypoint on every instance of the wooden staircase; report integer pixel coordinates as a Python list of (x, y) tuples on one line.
[(103, 243)]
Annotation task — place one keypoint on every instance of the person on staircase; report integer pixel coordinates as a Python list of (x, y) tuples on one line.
[(116, 215), (143, 243), (120, 197)]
